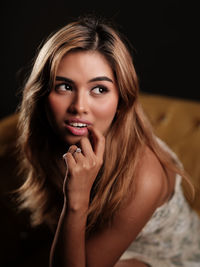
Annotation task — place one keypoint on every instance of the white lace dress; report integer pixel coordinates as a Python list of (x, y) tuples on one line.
[(172, 236)]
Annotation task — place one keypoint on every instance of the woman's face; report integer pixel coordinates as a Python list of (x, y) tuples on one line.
[(85, 93)]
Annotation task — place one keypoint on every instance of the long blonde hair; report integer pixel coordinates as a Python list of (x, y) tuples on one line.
[(41, 160)]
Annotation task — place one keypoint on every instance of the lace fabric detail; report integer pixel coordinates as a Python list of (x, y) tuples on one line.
[(172, 236)]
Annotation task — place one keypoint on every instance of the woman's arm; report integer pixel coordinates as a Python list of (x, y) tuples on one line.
[(103, 249), (68, 248)]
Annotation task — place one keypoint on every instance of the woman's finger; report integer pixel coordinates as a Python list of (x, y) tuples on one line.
[(78, 156), (69, 160), (97, 140), (86, 147), (72, 149), (75, 152)]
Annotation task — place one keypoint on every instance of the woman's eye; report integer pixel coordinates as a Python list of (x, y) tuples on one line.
[(63, 87), (99, 90)]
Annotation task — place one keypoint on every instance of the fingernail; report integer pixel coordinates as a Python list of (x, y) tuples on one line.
[(70, 150)]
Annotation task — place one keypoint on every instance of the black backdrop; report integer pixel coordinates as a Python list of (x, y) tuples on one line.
[(162, 32)]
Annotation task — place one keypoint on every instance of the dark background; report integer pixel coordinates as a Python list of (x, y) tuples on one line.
[(163, 34)]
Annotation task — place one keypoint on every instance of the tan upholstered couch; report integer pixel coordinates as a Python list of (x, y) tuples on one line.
[(175, 121)]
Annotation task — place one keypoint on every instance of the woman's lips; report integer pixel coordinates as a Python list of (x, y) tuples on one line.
[(79, 131)]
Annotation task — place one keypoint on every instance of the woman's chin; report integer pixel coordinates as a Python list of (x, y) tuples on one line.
[(72, 140)]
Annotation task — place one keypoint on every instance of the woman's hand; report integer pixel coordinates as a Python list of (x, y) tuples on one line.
[(83, 168)]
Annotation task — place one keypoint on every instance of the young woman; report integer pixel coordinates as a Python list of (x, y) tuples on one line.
[(95, 172)]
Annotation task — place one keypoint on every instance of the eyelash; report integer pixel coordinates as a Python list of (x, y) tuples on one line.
[(104, 88), (69, 87), (57, 86)]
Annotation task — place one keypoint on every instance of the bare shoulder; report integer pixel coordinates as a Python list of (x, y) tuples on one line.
[(151, 179), (151, 190)]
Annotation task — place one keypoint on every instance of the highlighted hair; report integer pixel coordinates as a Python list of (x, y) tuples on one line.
[(41, 161)]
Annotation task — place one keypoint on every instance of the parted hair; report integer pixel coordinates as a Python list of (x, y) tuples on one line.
[(41, 160)]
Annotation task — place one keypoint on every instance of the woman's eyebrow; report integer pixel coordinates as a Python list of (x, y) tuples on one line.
[(101, 78), (64, 79), (96, 79)]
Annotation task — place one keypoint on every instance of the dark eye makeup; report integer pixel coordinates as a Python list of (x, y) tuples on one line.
[(96, 90), (63, 87), (99, 89)]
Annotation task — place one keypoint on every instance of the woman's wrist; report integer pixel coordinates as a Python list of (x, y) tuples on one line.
[(76, 204)]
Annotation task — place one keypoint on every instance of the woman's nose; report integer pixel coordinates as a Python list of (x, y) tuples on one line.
[(79, 103)]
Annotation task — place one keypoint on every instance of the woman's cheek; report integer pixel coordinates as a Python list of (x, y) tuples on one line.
[(104, 115)]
